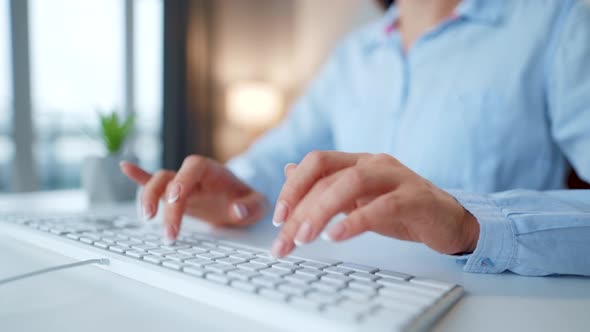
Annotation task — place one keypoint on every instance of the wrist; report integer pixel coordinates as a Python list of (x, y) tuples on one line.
[(471, 231)]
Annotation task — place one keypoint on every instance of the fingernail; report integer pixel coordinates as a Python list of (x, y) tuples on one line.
[(303, 235), (334, 233), (280, 214), (287, 166), (240, 210), (148, 212), (278, 248), (174, 193)]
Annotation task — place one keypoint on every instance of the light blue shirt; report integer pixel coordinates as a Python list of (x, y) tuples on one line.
[(494, 99)]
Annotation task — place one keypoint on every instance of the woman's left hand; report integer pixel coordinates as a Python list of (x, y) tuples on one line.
[(378, 194)]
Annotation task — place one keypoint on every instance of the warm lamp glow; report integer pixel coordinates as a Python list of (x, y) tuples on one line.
[(253, 105)]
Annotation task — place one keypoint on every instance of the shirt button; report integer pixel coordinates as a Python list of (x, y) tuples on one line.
[(486, 262)]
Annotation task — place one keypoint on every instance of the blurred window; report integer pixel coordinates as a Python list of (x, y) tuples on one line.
[(6, 142), (148, 37), (78, 70)]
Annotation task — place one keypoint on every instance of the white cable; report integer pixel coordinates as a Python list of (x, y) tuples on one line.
[(101, 261)]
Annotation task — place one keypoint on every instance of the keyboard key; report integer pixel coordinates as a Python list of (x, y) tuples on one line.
[(73, 236), (310, 272), (286, 266), (198, 262), (219, 278), (245, 286), (173, 265), (230, 261), (358, 267), (191, 251), (179, 257), (225, 245), (338, 270), (324, 297), (194, 271), (247, 251), (251, 266), (274, 272), (219, 268), (118, 249), (210, 256), (267, 281), (356, 294), (263, 261), (153, 259), (273, 294), (364, 285), (161, 252), (175, 246), (221, 251), (314, 265), (326, 286), (363, 276), (245, 257), (290, 260), (242, 274), (108, 239), (326, 261), (393, 275), (300, 278), (336, 278), (135, 253), (143, 247), (101, 244), (293, 289), (86, 240)]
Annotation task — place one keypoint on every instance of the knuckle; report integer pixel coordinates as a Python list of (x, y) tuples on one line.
[(315, 159), (355, 177), (384, 158)]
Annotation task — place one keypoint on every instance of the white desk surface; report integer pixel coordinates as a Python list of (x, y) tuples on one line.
[(92, 299)]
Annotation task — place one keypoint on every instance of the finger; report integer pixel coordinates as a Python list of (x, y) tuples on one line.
[(196, 174), (135, 173), (289, 169), (248, 209), (153, 191), (283, 244), (313, 167), (383, 210), (322, 204)]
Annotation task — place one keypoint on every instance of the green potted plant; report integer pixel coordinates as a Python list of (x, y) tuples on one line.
[(101, 177)]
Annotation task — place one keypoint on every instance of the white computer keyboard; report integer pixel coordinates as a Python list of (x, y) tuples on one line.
[(292, 293)]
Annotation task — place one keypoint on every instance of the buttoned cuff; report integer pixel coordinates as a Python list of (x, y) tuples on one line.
[(496, 246)]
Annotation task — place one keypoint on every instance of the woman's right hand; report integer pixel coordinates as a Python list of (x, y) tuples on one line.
[(201, 188)]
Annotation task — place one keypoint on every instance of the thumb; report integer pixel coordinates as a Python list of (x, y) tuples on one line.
[(248, 209)]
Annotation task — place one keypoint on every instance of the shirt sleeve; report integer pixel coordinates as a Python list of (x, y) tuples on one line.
[(307, 127), (530, 233), (568, 86)]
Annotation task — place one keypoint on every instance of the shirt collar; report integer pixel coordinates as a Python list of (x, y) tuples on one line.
[(488, 12)]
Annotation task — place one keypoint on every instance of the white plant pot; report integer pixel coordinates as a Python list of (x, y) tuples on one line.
[(103, 181)]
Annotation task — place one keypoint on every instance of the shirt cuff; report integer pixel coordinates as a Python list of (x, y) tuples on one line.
[(496, 247)]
